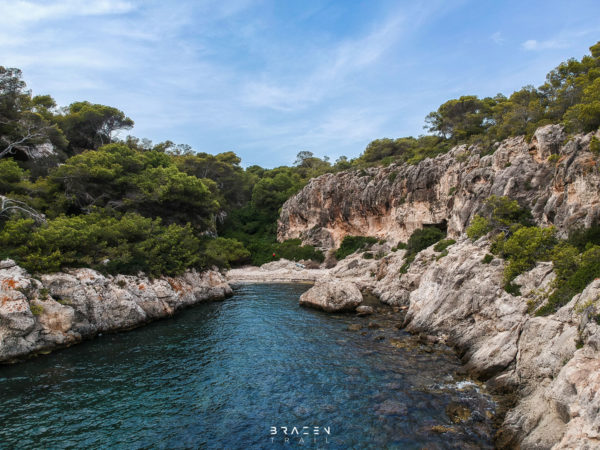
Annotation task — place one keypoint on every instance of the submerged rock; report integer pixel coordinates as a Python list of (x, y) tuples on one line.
[(332, 295), (458, 412), (364, 310)]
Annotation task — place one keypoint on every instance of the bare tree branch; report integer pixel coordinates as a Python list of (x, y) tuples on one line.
[(8, 205), (29, 132)]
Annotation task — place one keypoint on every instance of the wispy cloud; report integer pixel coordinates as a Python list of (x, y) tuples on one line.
[(327, 71), (497, 38), (533, 44), (268, 78), (22, 11)]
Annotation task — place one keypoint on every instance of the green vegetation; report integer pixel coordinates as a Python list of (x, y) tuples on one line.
[(36, 310), (351, 244), (130, 205), (576, 260), (419, 240), (488, 258), (524, 248), (443, 245)]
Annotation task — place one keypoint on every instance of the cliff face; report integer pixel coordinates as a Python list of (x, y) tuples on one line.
[(551, 363), (64, 308), (449, 190)]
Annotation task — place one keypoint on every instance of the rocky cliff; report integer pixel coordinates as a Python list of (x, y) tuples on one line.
[(548, 365), (57, 310), (449, 190)]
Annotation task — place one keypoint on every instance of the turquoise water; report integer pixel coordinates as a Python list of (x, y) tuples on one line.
[(220, 375)]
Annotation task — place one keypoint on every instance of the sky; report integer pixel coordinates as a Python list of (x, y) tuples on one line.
[(270, 78)]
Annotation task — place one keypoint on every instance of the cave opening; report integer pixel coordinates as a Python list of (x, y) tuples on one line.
[(443, 225)]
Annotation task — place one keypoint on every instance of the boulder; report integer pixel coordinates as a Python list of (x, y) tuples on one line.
[(332, 296), (364, 310)]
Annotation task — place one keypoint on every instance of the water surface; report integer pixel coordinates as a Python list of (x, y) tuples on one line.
[(220, 375)]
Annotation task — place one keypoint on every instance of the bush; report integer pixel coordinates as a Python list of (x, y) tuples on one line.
[(420, 240), (223, 252), (525, 247), (399, 246), (480, 226), (350, 244), (573, 273), (443, 245), (584, 237), (127, 244), (595, 145), (423, 238), (512, 289), (36, 310), (487, 259), (293, 250)]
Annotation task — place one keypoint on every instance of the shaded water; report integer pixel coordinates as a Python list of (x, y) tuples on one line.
[(220, 375)]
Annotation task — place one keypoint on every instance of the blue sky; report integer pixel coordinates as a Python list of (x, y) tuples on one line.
[(269, 78)]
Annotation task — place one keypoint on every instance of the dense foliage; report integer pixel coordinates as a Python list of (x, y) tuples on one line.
[(131, 205)]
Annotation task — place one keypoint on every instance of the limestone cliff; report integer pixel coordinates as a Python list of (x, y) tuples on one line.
[(449, 190), (38, 315), (551, 365)]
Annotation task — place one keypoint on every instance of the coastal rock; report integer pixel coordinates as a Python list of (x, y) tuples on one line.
[(551, 363), (448, 190), (332, 296), (364, 310), (65, 308)]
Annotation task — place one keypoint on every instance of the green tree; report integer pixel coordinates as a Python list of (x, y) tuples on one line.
[(461, 118), (89, 126)]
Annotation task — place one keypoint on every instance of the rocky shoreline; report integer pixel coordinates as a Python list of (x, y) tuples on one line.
[(548, 366), (38, 315)]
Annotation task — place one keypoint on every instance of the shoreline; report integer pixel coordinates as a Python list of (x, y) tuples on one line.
[(63, 309), (549, 366), (543, 371)]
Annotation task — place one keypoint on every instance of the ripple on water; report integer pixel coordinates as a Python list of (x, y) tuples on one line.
[(221, 374)]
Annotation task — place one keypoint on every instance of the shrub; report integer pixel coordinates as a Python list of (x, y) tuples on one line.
[(392, 176), (36, 310), (223, 252), (350, 244), (125, 244), (595, 145), (573, 273), (480, 226), (583, 237), (442, 254), (512, 289), (525, 247), (293, 250), (487, 259), (420, 240), (423, 238), (399, 246), (553, 159), (368, 255), (443, 245)]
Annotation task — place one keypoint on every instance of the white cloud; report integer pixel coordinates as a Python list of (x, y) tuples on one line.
[(533, 44), (23, 11), (497, 38)]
